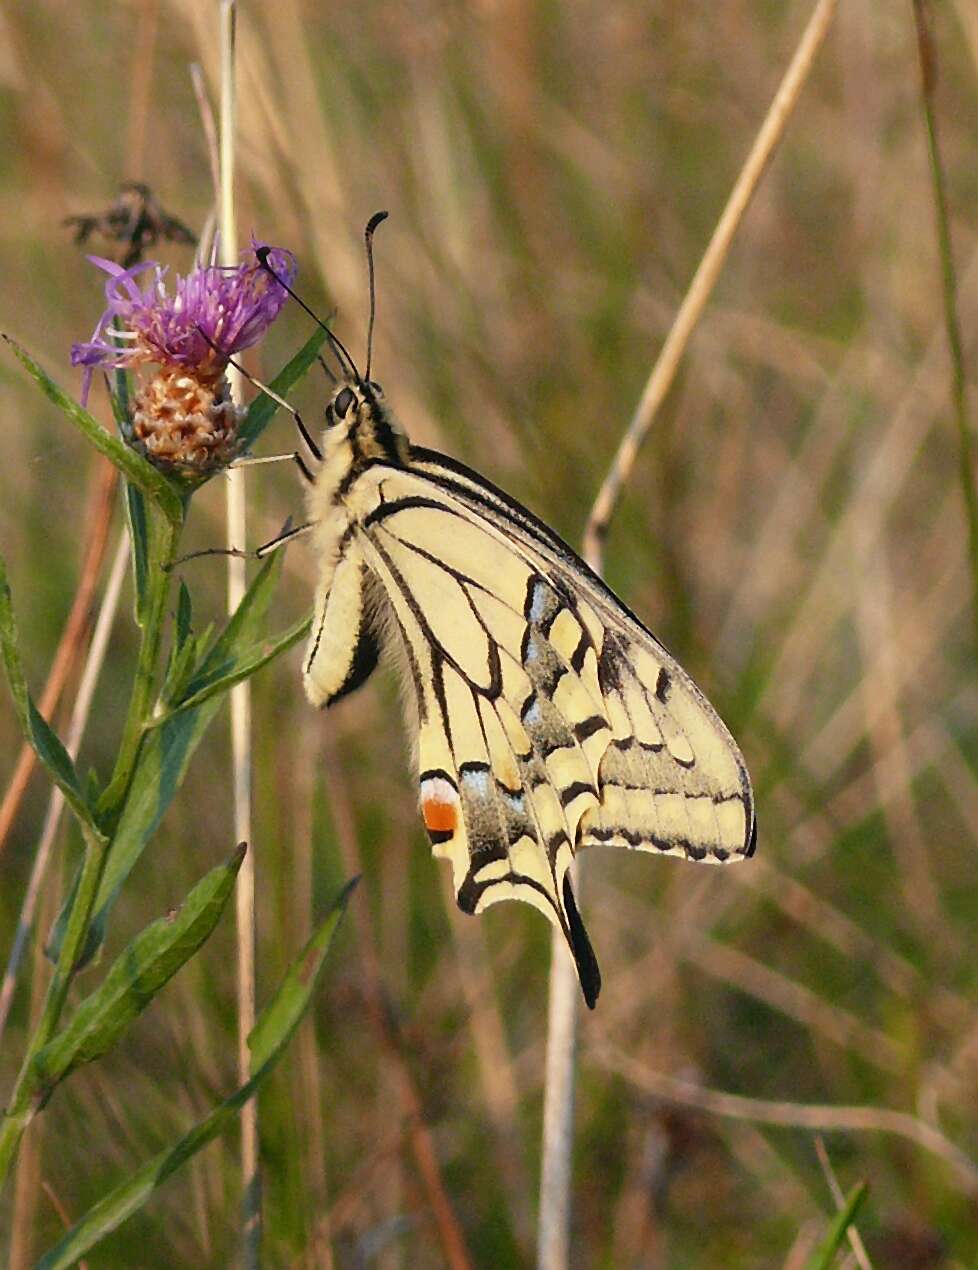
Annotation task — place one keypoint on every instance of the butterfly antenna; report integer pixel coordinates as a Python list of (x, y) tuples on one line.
[(338, 346), (378, 218), (269, 392)]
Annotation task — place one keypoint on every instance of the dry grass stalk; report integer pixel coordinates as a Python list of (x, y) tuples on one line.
[(824, 1119), (705, 278), (384, 1022), (241, 744), (554, 1226)]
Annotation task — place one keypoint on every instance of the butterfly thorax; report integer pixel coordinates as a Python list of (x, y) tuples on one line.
[(360, 431)]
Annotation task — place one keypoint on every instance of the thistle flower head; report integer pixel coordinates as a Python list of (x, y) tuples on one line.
[(182, 415)]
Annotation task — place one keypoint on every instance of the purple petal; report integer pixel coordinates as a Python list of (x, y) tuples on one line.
[(212, 314)]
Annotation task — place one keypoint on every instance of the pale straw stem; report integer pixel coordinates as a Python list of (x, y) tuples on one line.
[(705, 278), (558, 1118), (553, 1231), (792, 1115), (241, 694)]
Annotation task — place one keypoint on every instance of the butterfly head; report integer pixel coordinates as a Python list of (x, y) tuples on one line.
[(357, 415)]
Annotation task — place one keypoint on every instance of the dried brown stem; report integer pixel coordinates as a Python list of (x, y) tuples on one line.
[(704, 280), (382, 1018)]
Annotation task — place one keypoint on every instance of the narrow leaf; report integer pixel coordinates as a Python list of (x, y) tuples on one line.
[(263, 408), (131, 464), (277, 1023), (40, 736), (281, 1016), (247, 664), (150, 961), (823, 1256), (164, 758), (183, 654), (139, 537), (184, 615), (242, 625)]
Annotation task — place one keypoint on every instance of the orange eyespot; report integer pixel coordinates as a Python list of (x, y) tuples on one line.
[(439, 817)]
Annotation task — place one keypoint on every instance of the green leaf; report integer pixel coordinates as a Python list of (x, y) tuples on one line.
[(823, 1256), (42, 739), (139, 537), (120, 396), (245, 618), (183, 654), (163, 761), (150, 961), (131, 464), (281, 1016), (262, 409), (184, 615), (165, 755), (248, 663), (269, 1038)]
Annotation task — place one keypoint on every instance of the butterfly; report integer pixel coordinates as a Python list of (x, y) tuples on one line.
[(545, 716)]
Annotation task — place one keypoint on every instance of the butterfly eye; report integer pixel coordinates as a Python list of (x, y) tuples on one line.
[(343, 402)]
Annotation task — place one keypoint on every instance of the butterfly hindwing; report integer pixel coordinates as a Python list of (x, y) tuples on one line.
[(343, 647), (501, 771)]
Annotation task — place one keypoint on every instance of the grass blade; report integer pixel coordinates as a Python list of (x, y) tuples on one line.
[(262, 410), (823, 1256), (139, 536)]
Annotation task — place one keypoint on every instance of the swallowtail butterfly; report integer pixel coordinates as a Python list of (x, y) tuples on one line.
[(546, 717)]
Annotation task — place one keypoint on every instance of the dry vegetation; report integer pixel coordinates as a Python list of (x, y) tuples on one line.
[(794, 531)]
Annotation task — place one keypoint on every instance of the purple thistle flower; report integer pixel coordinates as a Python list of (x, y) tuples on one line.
[(213, 313), (182, 415)]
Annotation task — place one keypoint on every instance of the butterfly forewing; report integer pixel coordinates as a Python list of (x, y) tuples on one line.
[(668, 765)]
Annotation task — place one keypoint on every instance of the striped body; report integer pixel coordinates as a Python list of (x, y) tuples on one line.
[(546, 716)]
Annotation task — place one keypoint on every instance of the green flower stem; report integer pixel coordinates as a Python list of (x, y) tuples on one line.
[(163, 537), (28, 1093), (25, 1100)]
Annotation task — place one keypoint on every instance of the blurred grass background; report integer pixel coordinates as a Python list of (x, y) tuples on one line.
[(793, 531)]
